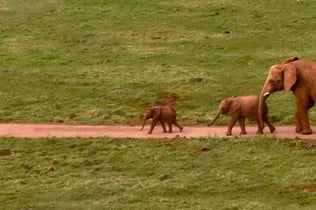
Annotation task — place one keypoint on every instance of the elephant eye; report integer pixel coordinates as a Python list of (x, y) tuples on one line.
[(275, 81), (278, 81)]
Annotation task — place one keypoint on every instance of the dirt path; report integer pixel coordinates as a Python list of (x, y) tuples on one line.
[(122, 131)]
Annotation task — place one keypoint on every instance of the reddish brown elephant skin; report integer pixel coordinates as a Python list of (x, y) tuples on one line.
[(298, 76), (240, 108), (163, 114)]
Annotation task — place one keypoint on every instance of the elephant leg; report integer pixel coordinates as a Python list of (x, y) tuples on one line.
[(267, 121), (302, 123), (259, 129), (242, 126), (177, 124), (298, 124), (170, 127), (302, 119), (163, 126), (232, 122), (153, 124)]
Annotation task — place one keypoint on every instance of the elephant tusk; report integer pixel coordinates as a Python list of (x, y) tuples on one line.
[(267, 93)]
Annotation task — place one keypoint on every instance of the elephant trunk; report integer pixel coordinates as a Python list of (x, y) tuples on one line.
[(262, 100), (144, 122), (216, 117)]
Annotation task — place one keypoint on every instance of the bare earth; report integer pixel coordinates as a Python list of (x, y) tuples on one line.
[(123, 131)]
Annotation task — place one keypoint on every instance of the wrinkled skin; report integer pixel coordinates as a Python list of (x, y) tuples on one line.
[(298, 76), (163, 114), (240, 108)]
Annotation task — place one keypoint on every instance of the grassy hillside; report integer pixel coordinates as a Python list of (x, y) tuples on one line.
[(221, 174), (106, 61)]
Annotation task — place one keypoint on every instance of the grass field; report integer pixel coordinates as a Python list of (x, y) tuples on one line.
[(105, 62), (224, 174)]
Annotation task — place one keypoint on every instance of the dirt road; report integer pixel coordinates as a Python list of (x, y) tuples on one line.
[(122, 131)]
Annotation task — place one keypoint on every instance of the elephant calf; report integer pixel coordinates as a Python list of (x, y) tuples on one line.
[(163, 114), (240, 108)]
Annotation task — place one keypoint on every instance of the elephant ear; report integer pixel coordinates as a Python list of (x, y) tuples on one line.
[(289, 74), (234, 105), (156, 112)]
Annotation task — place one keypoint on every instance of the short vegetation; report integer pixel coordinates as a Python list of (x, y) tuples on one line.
[(206, 173), (106, 61)]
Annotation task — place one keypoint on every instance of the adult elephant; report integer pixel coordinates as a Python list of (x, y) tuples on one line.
[(299, 76)]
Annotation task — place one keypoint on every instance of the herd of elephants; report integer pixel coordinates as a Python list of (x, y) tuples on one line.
[(292, 74)]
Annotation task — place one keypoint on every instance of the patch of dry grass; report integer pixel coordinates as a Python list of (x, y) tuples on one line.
[(4, 5)]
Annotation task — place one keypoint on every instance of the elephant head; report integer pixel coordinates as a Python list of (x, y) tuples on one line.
[(280, 77), (152, 113), (230, 105)]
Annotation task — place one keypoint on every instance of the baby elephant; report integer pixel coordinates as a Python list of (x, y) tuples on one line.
[(239, 108), (163, 114)]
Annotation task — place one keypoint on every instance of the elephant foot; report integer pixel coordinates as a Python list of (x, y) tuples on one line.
[(243, 133), (306, 132), (259, 132), (298, 130), (303, 131), (149, 132), (181, 129), (228, 134), (272, 129)]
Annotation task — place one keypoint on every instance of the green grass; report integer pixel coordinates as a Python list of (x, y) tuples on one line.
[(206, 173), (105, 62)]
